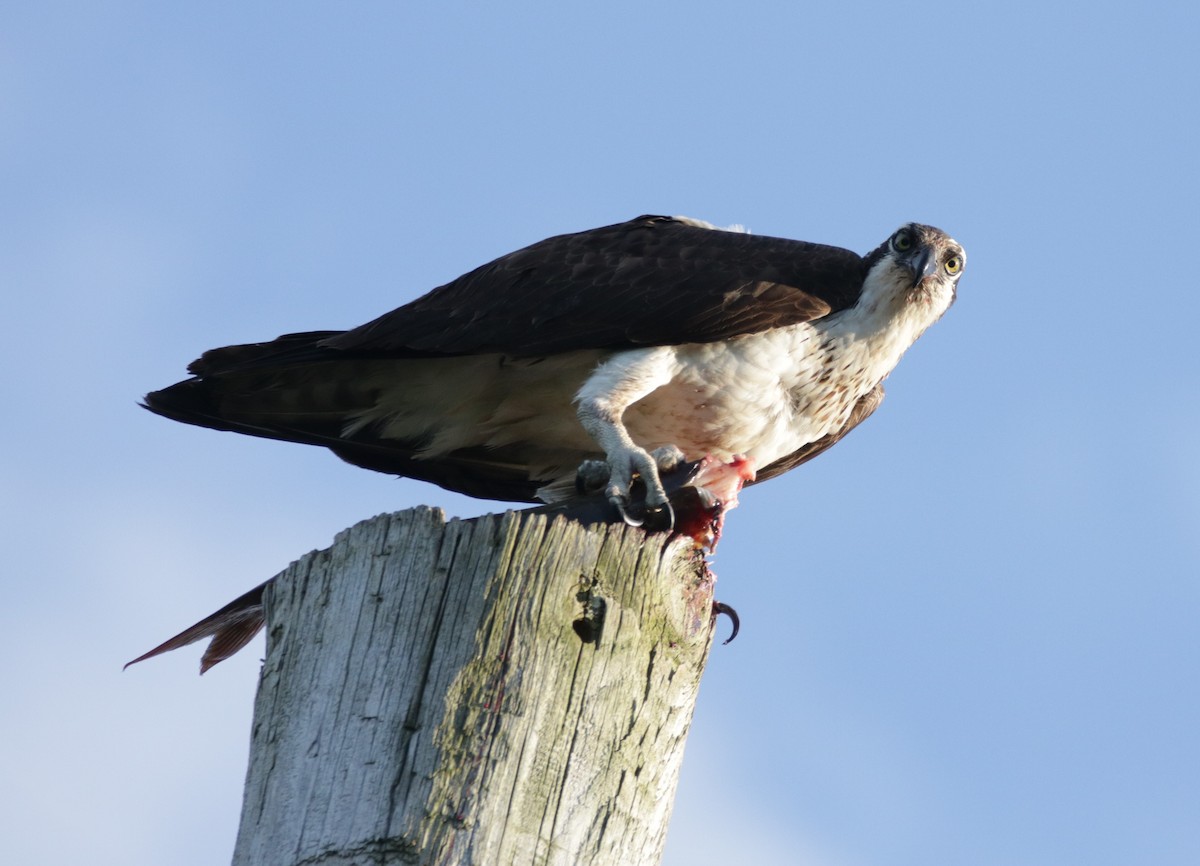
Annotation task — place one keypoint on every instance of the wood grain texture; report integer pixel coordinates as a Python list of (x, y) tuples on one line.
[(508, 690)]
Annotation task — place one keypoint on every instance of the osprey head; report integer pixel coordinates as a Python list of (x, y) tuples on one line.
[(918, 264)]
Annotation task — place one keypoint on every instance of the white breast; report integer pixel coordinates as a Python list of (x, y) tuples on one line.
[(768, 394)]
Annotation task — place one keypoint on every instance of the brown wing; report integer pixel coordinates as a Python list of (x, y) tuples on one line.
[(650, 281), (861, 411)]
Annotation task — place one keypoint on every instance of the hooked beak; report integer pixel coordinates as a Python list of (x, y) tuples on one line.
[(922, 265)]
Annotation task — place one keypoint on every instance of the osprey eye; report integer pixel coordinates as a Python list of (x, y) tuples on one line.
[(902, 242), (953, 265)]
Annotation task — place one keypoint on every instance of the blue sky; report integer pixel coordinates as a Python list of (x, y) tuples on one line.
[(969, 631)]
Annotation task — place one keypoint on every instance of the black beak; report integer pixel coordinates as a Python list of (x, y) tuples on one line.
[(923, 264)]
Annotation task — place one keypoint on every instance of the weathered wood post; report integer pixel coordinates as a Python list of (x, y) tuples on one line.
[(515, 689)]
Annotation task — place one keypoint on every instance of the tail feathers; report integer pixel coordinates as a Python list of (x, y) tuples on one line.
[(231, 628), (271, 405), (295, 390), (263, 389), (299, 393), (215, 403), (282, 351)]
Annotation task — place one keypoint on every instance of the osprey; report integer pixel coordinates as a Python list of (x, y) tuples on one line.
[(594, 359)]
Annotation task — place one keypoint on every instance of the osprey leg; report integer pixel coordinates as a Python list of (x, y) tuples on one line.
[(616, 384)]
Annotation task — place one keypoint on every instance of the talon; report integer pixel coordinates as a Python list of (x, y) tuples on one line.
[(622, 505), (720, 607), (659, 518)]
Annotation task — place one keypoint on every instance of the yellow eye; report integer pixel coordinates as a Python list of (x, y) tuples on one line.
[(953, 265), (902, 242)]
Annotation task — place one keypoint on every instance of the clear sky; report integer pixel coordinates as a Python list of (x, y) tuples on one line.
[(969, 632)]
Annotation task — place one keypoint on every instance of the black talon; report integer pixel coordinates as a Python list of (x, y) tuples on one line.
[(720, 607), (621, 505), (651, 519), (660, 518)]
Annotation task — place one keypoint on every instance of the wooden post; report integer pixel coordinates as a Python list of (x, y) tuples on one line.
[(514, 689)]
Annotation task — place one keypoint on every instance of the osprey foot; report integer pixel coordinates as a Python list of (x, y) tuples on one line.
[(660, 517), (616, 475)]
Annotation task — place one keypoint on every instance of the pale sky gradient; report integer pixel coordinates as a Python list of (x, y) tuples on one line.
[(969, 631)]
